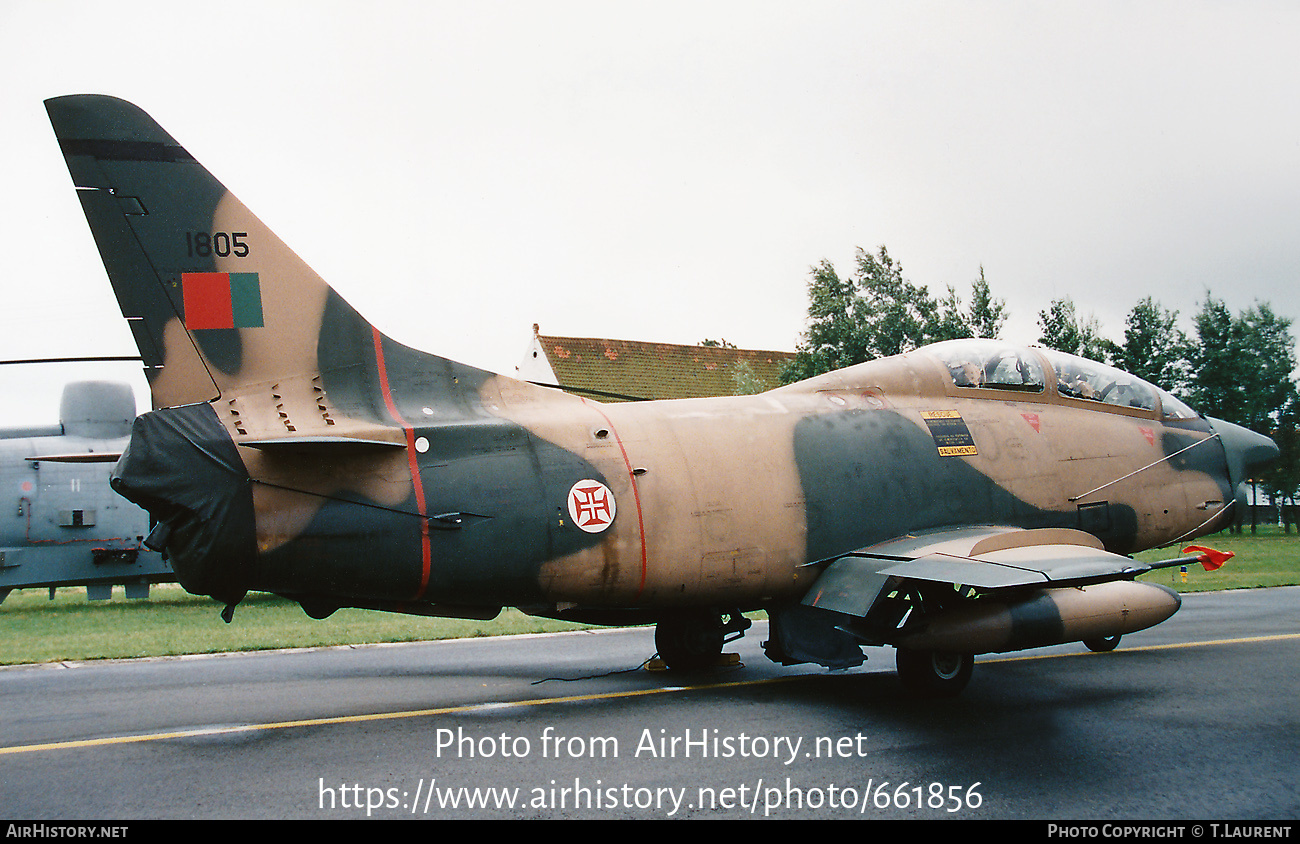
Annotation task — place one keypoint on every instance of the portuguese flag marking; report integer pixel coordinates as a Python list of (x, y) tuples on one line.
[(222, 300)]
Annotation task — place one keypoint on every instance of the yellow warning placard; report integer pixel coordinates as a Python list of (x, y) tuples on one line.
[(951, 436)]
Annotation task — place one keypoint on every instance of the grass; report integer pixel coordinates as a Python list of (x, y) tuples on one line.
[(1268, 557), (36, 629)]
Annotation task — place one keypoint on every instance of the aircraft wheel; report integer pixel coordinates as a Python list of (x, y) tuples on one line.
[(689, 643), (934, 673), (1102, 645)]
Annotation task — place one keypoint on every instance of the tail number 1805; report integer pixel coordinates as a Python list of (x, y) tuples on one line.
[(221, 244)]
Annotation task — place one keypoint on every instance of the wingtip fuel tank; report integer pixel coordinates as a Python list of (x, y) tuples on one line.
[(1046, 617)]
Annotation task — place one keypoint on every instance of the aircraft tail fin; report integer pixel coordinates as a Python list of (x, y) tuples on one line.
[(218, 304)]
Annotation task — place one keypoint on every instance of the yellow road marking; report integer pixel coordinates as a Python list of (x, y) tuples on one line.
[(1246, 640), (376, 716), (448, 710)]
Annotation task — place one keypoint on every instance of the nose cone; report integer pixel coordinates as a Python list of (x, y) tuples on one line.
[(1245, 450)]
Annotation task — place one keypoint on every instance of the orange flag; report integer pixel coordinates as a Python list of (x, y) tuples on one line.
[(1208, 557)]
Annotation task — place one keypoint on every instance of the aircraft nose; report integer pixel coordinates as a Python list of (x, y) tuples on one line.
[(1245, 450)]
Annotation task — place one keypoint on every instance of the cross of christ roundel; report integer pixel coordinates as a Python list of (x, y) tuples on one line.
[(591, 506)]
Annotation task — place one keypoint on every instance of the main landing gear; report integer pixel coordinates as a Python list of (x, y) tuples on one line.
[(693, 641), (931, 673)]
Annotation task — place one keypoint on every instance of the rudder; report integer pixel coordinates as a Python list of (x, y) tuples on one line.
[(215, 301)]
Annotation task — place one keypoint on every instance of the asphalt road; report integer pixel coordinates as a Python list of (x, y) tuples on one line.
[(1194, 719)]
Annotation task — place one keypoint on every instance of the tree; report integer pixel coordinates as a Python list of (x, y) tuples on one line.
[(830, 341), (1154, 348), (1242, 372), (877, 312), (950, 322), (1064, 331), (744, 381), (1059, 326), (1282, 480), (1214, 361), (982, 318), (1268, 360), (1242, 366), (892, 314), (986, 314)]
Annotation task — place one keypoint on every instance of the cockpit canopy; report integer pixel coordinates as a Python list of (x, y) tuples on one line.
[(990, 364), (995, 365)]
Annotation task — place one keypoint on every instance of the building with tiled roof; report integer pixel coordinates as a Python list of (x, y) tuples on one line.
[(619, 370)]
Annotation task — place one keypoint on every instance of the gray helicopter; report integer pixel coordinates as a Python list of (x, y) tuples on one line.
[(60, 522)]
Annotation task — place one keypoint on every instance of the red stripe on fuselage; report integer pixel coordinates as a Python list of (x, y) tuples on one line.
[(416, 483), (636, 493)]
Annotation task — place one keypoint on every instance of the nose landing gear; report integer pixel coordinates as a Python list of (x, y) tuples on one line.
[(931, 673)]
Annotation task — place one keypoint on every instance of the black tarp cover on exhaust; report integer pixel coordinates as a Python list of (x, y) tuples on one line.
[(183, 468)]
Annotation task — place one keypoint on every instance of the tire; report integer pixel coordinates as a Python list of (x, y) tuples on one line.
[(689, 643), (1102, 645), (930, 673)]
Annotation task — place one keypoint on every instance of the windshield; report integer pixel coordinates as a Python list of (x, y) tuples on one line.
[(1080, 378), (1172, 408)]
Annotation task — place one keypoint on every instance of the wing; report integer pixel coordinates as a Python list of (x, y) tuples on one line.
[(987, 559)]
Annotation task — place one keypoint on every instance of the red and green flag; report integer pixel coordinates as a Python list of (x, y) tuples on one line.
[(222, 300)]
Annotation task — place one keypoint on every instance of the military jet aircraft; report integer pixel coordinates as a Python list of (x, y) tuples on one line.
[(64, 526), (964, 498)]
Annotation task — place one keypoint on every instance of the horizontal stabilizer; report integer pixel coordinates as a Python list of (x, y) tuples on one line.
[(322, 445), (78, 457)]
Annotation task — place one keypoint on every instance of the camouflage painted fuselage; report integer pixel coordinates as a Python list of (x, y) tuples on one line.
[(298, 450), (716, 501)]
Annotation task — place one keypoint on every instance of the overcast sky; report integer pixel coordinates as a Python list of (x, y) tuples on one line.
[(670, 171)]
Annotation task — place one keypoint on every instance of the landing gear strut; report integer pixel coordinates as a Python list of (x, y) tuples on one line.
[(693, 641), (932, 673)]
